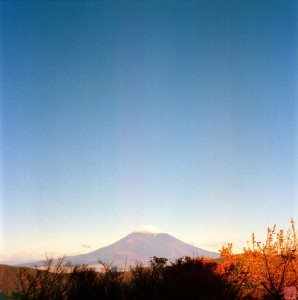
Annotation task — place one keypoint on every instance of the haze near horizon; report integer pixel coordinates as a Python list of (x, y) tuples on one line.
[(116, 114)]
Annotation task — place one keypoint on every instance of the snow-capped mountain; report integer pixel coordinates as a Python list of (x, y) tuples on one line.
[(139, 246)]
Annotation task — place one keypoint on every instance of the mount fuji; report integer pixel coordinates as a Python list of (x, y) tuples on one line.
[(139, 246)]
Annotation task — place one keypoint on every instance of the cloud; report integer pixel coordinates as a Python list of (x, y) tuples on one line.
[(84, 245)]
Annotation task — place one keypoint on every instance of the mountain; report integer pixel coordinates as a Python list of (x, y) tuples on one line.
[(139, 246)]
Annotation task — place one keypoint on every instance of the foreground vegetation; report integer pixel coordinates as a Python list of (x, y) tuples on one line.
[(262, 271)]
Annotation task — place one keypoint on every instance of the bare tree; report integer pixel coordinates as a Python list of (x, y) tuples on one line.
[(46, 282)]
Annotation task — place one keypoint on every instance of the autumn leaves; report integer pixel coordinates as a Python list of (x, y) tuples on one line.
[(263, 269)]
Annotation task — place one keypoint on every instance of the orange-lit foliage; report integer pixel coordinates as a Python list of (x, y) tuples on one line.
[(263, 270)]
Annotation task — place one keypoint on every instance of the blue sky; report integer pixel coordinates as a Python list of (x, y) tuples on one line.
[(119, 114)]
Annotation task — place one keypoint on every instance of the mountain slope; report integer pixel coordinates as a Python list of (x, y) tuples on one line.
[(140, 246), (9, 278)]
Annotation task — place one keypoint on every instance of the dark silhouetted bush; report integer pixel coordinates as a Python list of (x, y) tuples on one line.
[(186, 278), (190, 278)]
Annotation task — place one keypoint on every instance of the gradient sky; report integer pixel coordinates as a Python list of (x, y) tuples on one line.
[(118, 114)]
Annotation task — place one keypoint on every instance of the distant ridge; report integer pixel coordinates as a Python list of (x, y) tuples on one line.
[(139, 246)]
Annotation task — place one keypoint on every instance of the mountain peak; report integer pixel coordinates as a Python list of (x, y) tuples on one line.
[(149, 229), (139, 246)]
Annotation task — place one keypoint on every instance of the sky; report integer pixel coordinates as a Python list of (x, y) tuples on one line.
[(120, 114)]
